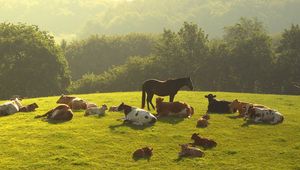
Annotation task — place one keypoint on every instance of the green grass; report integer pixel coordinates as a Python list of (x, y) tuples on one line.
[(105, 143)]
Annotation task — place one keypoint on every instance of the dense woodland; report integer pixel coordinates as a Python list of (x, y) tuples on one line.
[(245, 59)]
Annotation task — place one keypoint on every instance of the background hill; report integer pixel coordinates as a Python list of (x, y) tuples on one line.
[(80, 18), (104, 143)]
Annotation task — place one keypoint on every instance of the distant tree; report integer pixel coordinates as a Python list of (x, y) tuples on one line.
[(251, 54), (30, 62), (288, 63)]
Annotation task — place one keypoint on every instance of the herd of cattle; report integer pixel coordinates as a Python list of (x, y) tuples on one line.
[(64, 112)]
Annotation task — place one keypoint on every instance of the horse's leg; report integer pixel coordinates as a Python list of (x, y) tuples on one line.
[(172, 97), (149, 100)]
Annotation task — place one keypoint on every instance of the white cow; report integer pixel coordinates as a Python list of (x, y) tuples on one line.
[(260, 115)]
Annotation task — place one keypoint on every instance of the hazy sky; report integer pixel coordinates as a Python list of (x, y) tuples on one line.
[(80, 18)]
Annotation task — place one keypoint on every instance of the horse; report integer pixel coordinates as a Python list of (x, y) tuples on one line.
[(163, 88)]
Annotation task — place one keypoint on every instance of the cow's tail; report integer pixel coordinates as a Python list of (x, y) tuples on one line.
[(143, 97)]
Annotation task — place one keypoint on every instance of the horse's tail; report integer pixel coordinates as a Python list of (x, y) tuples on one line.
[(143, 97)]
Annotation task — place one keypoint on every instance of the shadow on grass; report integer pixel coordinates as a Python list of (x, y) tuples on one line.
[(250, 122), (148, 158), (235, 117), (170, 119), (132, 126), (56, 121)]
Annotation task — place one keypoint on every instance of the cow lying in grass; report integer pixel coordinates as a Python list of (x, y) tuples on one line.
[(189, 151), (178, 109), (10, 107), (145, 152), (74, 103), (96, 110), (203, 121), (243, 107), (59, 113), (29, 108), (263, 115), (217, 106), (204, 142), (136, 116)]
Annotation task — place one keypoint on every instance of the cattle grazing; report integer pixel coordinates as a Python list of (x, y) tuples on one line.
[(178, 109), (243, 107), (202, 122), (217, 106), (137, 116), (60, 113), (96, 111), (145, 152), (10, 107), (189, 151), (73, 102), (263, 115), (113, 109), (204, 142), (163, 88), (29, 108)]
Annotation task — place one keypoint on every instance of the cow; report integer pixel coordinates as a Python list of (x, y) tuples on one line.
[(60, 113), (74, 103), (137, 116), (189, 151), (96, 111), (178, 109), (29, 108), (243, 107), (263, 115), (217, 106), (10, 107), (204, 142), (145, 152)]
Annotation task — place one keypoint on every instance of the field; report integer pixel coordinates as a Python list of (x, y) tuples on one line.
[(105, 143)]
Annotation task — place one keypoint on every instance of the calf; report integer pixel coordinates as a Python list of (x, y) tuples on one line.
[(262, 115), (29, 108), (205, 143), (59, 113), (178, 109), (136, 116), (243, 107), (73, 102), (145, 152), (189, 151), (217, 106), (96, 110), (202, 122)]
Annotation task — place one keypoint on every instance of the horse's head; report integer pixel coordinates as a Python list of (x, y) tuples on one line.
[(189, 83)]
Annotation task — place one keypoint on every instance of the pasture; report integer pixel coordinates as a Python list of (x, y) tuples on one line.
[(105, 143)]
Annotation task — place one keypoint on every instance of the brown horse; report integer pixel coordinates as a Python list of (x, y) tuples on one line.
[(163, 88)]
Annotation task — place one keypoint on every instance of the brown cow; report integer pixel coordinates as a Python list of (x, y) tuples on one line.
[(243, 107), (204, 142), (59, 113), (74, 103), (145, 152), (190, 151), (179, 109), (29, 108)]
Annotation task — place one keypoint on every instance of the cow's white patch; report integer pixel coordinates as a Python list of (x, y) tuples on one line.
[(140, 117)]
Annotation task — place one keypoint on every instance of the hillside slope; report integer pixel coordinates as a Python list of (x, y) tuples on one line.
[(105, 143)]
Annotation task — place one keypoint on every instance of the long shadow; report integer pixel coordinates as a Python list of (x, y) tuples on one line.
[(144, 158), (250, 122), (171, 119), (235, 117), (132, 126)]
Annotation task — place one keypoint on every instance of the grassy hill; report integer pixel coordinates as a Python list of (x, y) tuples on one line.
[(105, 143)]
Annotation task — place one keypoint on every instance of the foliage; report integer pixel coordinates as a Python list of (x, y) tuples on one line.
[(105, 143), (30, 62), (98, 53)]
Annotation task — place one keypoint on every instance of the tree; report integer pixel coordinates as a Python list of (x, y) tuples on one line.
[(251, 54), (288, 64), (31, 64)]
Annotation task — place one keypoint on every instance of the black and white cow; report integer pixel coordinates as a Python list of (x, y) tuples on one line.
[(137, 116), (10, 107), (217, 106), (263, 115)]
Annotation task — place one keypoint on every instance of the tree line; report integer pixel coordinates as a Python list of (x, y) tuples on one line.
[(245, 59)]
